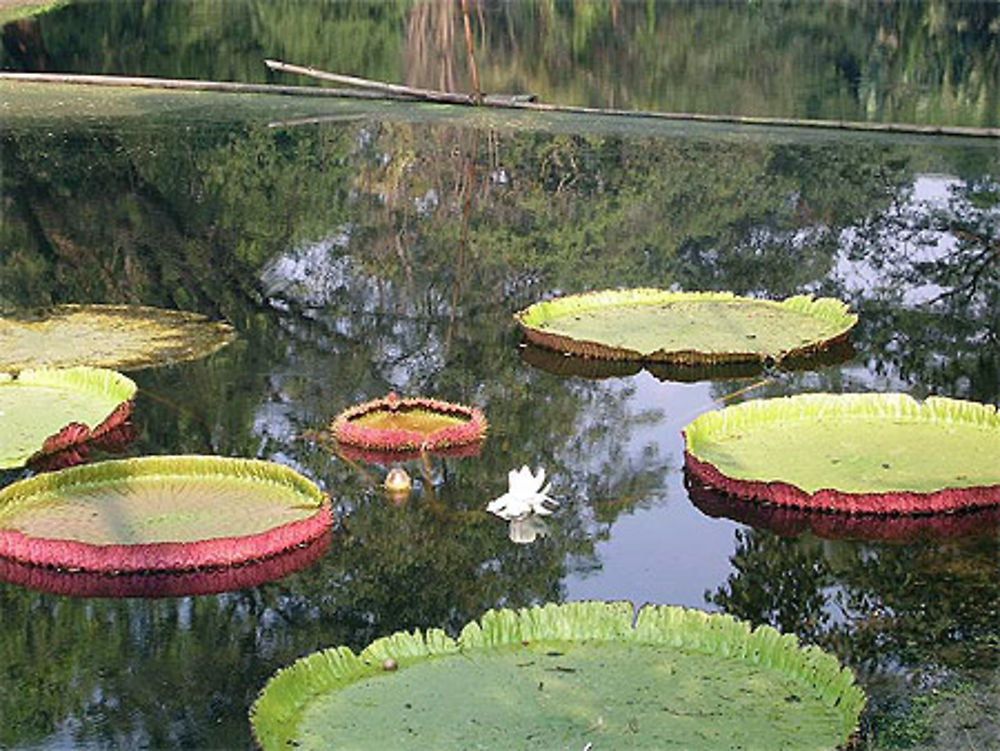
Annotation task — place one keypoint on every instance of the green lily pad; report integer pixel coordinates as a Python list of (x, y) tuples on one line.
[(562, 677), (37, 405), (160, 513), (127, 337), (685, 327), (858, 453)]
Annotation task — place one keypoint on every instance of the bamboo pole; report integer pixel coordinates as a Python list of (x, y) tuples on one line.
[(528, 103), (519, 102), (190, 84), (429, 95)]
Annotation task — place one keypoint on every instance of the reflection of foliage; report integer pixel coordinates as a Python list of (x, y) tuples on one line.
[(909, 62), (930, 61), (948, 337), (915, 605), (779, 582), (916, 611), (922, 604)]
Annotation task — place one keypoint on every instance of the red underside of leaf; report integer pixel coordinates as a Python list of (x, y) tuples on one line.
[(76, 434), (897, 502), (792, 522), (170, 584), (113, 441), (163, 556)]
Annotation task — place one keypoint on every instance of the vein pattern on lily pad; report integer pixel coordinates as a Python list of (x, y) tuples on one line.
[(127, 337), (160, 513), (690, 328), (563, 676), (46, 410), (856, 453)]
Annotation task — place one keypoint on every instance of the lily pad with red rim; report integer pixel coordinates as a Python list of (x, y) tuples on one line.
[(126, 337), (686, 328), (403, 426), (563, 676), (852, 453), (160, 513), (48, 410)]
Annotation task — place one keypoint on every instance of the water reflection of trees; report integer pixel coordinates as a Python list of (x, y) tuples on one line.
[(904, 616), (926, 61), (333, 250)]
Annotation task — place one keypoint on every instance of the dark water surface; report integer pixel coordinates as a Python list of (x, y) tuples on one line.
[(359, 249)]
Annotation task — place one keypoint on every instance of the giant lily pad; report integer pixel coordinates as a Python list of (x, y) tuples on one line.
[(694, 328), (160, 513), (127, 337), (47, 410), (856, 453), (405, 426), (563, 677)]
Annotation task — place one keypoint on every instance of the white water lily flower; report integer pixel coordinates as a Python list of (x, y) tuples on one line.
[(525, 495)]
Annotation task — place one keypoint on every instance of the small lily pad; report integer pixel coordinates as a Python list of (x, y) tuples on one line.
[(160, 513), (47, 410), (127, 337), (563, 676), (855, 453), (690, 328), (408, 425)]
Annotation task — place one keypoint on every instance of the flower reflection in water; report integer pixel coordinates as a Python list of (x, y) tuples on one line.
[(526, 529)]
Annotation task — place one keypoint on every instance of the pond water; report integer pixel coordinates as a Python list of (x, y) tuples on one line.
[(361, 248)]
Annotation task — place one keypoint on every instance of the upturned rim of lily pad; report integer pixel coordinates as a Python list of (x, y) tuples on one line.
[(113, 441), (381, 443), (712, 429), (279, 708), (158, 584), (825, 309), (790, 521), (102, 383), (163, 555)]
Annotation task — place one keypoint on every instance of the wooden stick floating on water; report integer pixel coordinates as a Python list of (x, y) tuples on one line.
[(527, 102), (519, 102), (189, 84), (429, 95)]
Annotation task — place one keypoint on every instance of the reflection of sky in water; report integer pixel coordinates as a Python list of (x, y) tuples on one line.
[(863, 279), (670, 553)]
